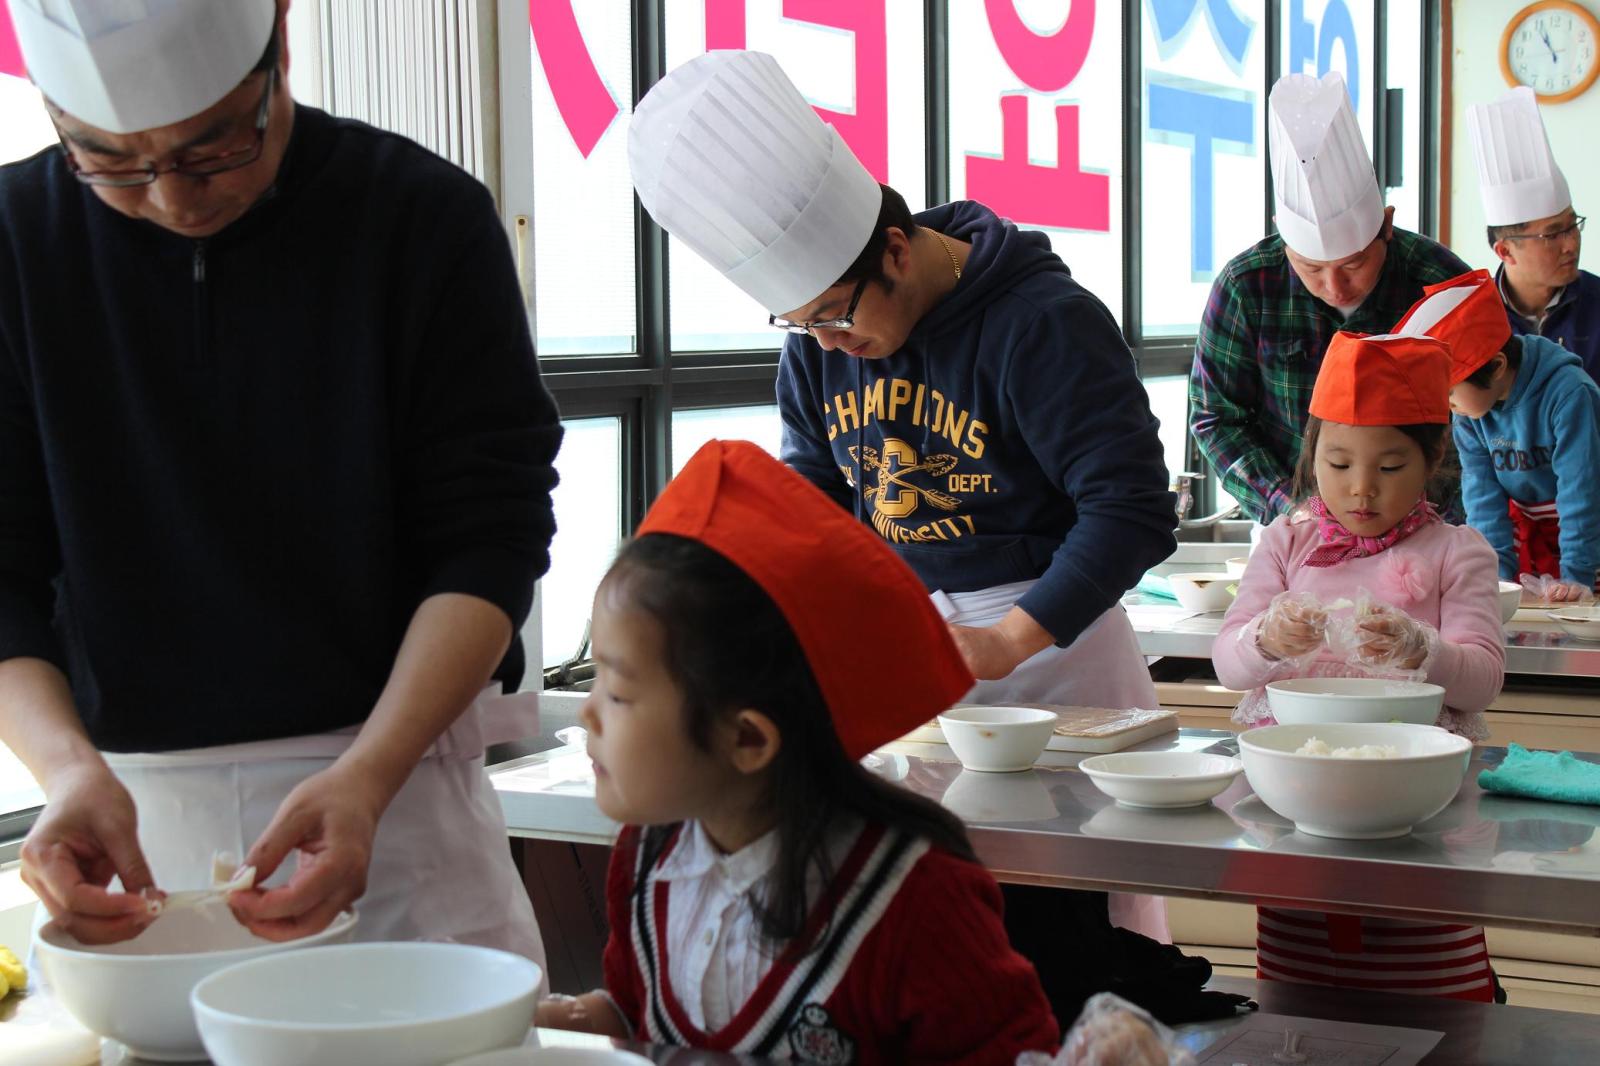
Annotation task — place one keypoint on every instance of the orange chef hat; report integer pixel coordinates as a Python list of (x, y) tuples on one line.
[(1464, 312), (1385, 380), (881, 654)]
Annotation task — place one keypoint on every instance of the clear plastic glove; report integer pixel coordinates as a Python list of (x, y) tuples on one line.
[(1386, 640), (1542, 588), (1293, 626), (1110, 1031)]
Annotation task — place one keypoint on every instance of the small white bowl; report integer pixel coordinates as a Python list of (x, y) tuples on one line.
[(1580, 622), (1314, 700), (997, 739), (979, 797), (1510, 600), (555, 1056), (387, 1004), (1161, 778), (1236, 565), (1202, 592), (1355, 799), (137, 991)]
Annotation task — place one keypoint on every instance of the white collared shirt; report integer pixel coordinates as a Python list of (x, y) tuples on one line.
[(1537, 320), (716, 955)]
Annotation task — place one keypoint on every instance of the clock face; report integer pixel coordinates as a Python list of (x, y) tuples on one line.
[(1551, 52)]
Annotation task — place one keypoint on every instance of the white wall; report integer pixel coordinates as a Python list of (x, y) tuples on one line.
[(1574, 127)]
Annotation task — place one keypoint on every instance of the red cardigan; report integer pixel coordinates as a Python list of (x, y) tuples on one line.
[(913, 966)]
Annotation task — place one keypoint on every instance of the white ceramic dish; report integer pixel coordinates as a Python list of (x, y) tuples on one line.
[(1580, 622), (384, 1004), (1161, 778), (555, 1056), (1236, 565), (1314, 700), (1355, 799), (1510, 600), (1202, 592), (137, 992), (997, 739)]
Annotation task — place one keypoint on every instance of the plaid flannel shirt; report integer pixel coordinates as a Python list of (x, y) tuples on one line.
[(1258, 352)]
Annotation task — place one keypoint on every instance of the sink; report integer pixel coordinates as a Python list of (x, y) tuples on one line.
[(1227, 531)]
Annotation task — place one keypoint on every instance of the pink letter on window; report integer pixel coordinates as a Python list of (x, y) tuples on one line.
[(586, 105), (1062, 196), (1043, 63), (724, 24), (10, 52)]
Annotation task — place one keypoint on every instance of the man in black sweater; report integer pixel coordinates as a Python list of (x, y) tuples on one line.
[(275, 474)]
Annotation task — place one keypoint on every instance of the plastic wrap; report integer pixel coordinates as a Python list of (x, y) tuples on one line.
[(1110, 1031), (1382, 641), (1542, 588)]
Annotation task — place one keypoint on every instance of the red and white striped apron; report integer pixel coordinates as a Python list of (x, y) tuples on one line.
[(1380, 954)]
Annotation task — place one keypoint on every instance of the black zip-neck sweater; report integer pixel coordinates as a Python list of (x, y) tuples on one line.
[(231, 469)]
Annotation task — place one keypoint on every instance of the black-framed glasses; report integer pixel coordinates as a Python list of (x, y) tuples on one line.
[(846, 322), (201, 167), (1575, 226)]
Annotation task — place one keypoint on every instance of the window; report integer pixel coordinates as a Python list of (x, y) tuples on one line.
[(1322, 35), (588, 506), (1169, 401), (1204, 153), (691, 429), (1403, 66), (1035, 97)]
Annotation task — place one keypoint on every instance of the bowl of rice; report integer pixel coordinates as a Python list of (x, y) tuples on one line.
[(1355, 781)]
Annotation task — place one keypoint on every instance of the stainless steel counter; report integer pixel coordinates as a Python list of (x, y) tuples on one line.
[(1485, 859), (1533, 645)]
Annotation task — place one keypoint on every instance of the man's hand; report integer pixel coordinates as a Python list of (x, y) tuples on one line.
[(86, 835), (992, 652), (331, 818)]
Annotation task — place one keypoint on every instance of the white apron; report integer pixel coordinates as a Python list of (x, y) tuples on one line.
[(1103, 667), (441, 861)]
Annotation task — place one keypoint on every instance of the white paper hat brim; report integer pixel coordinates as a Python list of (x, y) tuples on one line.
[(1343, 235), (1525, 201), (154, 72)]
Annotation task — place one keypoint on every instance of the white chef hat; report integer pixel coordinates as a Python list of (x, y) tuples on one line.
[(729, 158), (130, 65), (1328, 204), (1517, 174)]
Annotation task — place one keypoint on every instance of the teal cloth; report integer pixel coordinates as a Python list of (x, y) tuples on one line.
[(1156, 586), (1545, 775)]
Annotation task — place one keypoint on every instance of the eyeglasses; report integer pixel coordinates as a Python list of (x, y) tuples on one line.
[(846, 322), (1576, 226), (202, 167)]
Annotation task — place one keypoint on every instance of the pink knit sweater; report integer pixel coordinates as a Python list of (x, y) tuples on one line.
[(1443, 575)]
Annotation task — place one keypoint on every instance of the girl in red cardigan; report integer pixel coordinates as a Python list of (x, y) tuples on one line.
[(769, 894)]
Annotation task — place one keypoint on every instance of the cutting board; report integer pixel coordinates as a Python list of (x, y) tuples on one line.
[(1097, 730)]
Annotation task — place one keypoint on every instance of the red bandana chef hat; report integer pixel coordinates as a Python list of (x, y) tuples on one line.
[(1385, 380), (1464, 312), (881, 654)]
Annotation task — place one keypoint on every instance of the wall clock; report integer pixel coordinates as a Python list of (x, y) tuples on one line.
[(1550, 47)]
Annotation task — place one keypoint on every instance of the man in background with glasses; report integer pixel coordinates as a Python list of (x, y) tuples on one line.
[(1533, 229), (275, 473)]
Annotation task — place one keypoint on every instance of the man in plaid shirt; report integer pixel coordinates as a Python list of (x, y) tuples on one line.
[(1338, 262)]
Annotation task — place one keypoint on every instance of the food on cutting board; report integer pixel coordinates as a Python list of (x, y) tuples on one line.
[(1316, 746)]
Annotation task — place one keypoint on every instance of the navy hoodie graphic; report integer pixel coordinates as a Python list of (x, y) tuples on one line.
[(1008, 439)]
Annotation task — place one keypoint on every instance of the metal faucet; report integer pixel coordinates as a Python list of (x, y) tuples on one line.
[(1182, 483)]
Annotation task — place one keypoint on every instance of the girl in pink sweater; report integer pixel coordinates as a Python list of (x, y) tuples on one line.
[(1379, 417)]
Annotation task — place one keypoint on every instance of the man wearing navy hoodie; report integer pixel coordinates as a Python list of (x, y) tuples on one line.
[(945, 379)]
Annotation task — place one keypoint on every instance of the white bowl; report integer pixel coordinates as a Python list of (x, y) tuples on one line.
[(1510, 600), (1236, 566), (1355, 799), (391, 1004), (997, 739), (1161, 778), (979, 797), (1580, 622), (555, 1056), (1202, 592), (137, 992), (1313, 700)]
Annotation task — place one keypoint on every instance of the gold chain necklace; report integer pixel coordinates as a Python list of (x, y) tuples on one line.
[(955, 264)]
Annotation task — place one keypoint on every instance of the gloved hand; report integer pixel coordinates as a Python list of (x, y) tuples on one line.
[(1542, 588), (1387, 640), (1294, 625)]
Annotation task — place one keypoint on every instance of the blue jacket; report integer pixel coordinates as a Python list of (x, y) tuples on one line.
[(1541, 443), (1009, 438), (1573, 323)]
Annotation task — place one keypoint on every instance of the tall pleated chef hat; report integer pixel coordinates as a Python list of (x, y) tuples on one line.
[(1384, 380), (1467, 314), (729, 158), (130, 65), (1517, 174), (1328, 203), (882, 656)]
